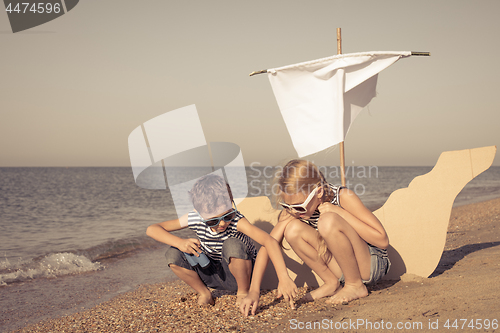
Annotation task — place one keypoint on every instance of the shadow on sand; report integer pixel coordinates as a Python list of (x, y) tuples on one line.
[(451, 257)]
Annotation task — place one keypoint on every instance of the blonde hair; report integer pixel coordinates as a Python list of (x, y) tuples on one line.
[(304, 176)]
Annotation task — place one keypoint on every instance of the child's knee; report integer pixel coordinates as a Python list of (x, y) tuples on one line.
[(175, 258), (329, 223), (239, 262), (235, 248), (293, 230)]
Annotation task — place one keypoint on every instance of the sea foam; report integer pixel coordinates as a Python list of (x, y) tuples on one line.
[(52, 265)]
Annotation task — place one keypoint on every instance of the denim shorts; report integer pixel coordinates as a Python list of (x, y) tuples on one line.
[(216, 275), (380, 265)]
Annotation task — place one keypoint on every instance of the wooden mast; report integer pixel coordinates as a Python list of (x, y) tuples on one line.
[(341, 145)]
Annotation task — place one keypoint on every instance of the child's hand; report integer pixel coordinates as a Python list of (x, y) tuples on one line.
[(288, 290), (191, 246), (328, 207), (250, 302)]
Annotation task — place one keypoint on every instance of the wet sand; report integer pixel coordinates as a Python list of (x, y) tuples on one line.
[(464, 287)]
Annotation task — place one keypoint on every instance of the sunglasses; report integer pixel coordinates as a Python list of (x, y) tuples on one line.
[(300, 208), (228, 217)]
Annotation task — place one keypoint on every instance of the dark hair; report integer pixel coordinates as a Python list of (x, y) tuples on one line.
[(209, 193)]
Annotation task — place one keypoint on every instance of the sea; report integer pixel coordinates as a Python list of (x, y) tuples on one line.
[(73, 237)]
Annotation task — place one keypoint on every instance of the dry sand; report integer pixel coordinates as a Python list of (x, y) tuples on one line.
[(464, 291)]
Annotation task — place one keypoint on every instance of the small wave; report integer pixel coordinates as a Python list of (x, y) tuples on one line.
[(18, 269), (119, 247), (52, 265)]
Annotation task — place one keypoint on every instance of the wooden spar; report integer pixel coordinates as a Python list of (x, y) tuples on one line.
[(413, 53), (341, 145), (258, 72)]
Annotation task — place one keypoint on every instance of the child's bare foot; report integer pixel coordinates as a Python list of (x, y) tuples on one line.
[(239, 298), (327, 289), (349, 293), (206, 299)]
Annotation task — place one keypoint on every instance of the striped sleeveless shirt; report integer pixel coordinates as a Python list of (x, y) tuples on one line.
[(211, 242), (313, 220)]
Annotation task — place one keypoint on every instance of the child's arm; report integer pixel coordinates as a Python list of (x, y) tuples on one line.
[(359, 217), (252, 300), (270, 249), (162, 233)]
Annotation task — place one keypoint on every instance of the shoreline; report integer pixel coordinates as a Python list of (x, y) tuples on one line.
[(471, 250)]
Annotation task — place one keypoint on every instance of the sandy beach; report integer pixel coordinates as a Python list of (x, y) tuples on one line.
[(461, 295)]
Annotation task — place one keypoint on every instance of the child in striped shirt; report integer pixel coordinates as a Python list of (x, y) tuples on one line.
[(224, 236)]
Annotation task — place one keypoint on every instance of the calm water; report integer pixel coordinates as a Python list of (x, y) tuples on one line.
[(58, 221)]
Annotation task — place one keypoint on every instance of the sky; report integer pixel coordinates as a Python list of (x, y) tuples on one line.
[(73, 89)]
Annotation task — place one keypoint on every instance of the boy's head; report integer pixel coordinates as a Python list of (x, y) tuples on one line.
[(211, 195)]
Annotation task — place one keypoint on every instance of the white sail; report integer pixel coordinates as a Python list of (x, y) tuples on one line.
[(320, 99)]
